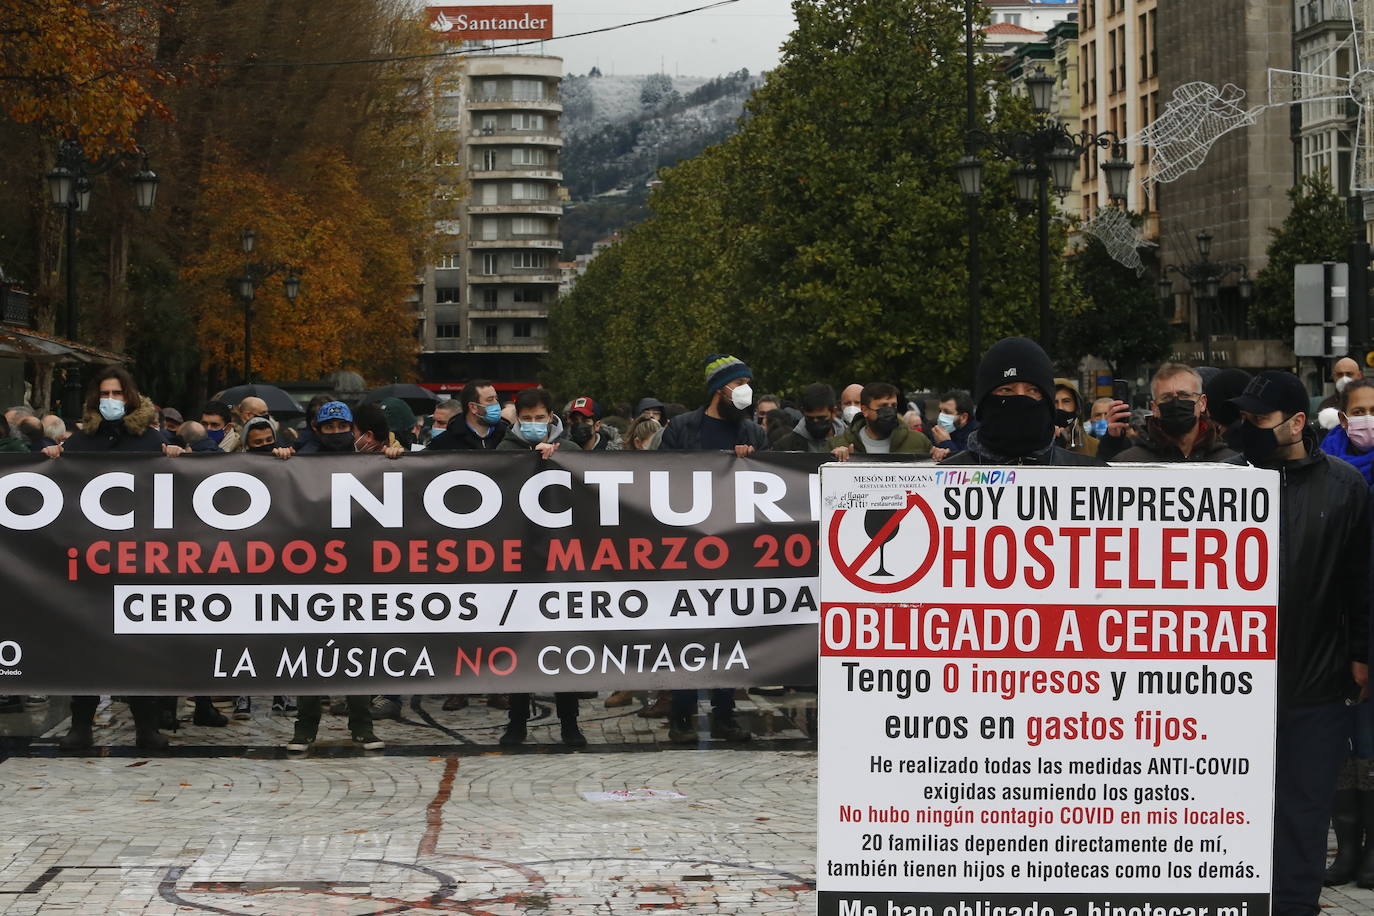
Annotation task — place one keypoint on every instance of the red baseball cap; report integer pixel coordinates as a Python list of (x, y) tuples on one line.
[(584, 406)]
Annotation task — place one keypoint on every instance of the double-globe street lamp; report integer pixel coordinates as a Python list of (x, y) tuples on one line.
[(1204, 276), (69, 189), (245, 286), (1048, 152)]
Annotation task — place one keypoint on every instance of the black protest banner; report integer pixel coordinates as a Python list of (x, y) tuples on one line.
[(435, 573)]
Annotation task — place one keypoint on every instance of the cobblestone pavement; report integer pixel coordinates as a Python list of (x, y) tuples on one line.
[(442, 821)]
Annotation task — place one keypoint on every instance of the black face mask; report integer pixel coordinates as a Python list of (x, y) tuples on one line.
[(819, 429), (263, 449), (1176, 417), (885, 422), (581, 433), (336, 442), (1258, 445), (1064, 417), (1016, 425)]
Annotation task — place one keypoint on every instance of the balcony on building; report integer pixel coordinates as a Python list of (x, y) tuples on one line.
[(1311, 14)]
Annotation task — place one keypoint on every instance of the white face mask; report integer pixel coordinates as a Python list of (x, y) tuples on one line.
[(1342, 382), (742, 396), (849, 413)]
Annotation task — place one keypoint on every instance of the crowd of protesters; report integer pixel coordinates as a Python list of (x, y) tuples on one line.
[(1018, 412)]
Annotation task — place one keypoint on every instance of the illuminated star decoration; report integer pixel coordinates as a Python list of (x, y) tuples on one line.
[(1288, 87)]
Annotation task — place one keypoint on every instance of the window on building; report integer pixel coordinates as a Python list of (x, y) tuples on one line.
[(490, 296), (445, 294), (521, 329), (528, 295), (450, 260), (490, 264), (526, 155), (490, 333), (530, 260), (526, 121), (491, 193), (491, 229), (528, 190), (488, 90), (527, 90), (487, 124), (1012, 18), (528, 225), (446, 330), (487, 161)]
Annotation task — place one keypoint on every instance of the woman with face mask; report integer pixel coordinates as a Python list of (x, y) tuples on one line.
[(1353, 440), (1352, 814), (116, 418), (1068, 419)]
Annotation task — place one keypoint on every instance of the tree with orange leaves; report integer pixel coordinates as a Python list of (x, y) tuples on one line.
[(83, 69), (352, 312)]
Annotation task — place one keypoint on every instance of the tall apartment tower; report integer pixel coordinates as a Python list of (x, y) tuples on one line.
[(1324, 131), (1118, 70), (487, 299)]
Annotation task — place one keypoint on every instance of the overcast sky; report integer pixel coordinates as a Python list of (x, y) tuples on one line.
[(746, 33)]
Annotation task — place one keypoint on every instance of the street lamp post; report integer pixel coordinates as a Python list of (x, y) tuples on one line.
[(1047, 153), (1204, 276), (69, 189), (246, 286)]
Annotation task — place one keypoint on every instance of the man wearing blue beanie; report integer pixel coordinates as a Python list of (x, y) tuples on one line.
[(724, 424)]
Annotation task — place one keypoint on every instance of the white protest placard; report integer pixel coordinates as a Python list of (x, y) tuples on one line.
[(1047, 691)]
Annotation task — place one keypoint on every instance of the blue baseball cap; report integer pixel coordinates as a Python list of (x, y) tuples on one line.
[(334, 410)]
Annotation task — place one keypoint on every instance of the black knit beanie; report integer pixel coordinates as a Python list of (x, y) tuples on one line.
[(1013, 359)]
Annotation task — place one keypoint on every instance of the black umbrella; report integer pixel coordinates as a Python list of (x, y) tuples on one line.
[(418, 399), (280, 404)]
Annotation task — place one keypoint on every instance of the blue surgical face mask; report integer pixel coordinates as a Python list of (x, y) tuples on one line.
[(533, 432), (947, 421), (1097, 428), (112, 408), (492, 414), (215, 435)]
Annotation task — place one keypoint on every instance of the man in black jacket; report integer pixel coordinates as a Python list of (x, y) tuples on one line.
[(1323, 620), (1014, 394), (479, 426), (1180, 428), (723, 424)]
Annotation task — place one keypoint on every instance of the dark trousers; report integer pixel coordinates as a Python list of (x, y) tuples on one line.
[(308, 710), (564, 703), (144, 710), (684, 708), (1312, 745)]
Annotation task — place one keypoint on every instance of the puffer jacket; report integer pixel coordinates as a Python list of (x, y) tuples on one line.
[(133, 432), (1324, 545)]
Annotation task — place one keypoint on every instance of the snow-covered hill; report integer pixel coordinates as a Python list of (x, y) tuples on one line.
[(618, 130)]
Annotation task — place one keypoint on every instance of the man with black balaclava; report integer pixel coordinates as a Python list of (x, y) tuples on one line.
[(724, 424), (1014, 394), (1180, 429), (878, 429), (1323, 624)]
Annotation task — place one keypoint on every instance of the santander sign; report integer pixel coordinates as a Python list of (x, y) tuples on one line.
[(482, 23)]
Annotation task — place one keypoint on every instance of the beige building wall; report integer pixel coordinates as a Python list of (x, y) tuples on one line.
[(1118, 66), (1240, 191)]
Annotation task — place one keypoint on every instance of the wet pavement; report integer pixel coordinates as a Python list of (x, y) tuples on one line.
[(441, 820)]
